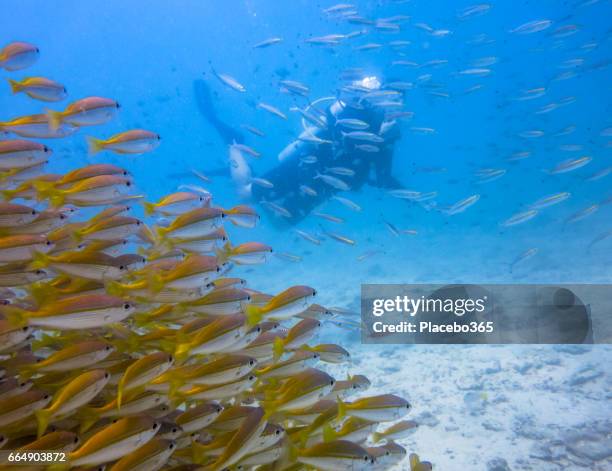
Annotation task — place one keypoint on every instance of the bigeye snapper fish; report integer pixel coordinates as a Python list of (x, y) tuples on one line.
[(85, 112), (18, 55), (136, 343), (135, 142), (39, 88)]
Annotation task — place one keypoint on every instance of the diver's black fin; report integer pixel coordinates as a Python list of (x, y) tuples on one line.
[(206, 107)]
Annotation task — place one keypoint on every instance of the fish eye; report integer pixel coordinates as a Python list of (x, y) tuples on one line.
[(332, 382), (174, 430), (64, 89), (251, 362), (223, 215), (122, 267), (117, 105), (219, 408), (128, 183), (278, 432), (158, 137), (63, 216), (22, 385), (366, 458), (37, 50), (251, 378), (407, 406), (46, 149), (218, 269), (46, 396), (126, 306), (170, 359), (155, 425), (138, 223), (108, 348), (48, 242), (171, 446), (33, 212), (314, 292), (24, 329), (106, 375), (76, 440)]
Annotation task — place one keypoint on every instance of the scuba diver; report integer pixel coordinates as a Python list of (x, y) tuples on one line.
[(346, 144)]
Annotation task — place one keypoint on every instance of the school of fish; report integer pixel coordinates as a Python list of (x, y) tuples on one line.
[(132, 345), (397, 36)]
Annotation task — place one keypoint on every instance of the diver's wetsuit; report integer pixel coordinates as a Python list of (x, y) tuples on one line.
[(292, 172)]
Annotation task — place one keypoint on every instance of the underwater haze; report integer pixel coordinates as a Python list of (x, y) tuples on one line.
[(496, 122)]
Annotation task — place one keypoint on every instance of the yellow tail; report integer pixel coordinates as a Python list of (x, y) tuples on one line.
[(42, 416), (182, 352), (55, 119), (254, 314), (9, 195), (120, 391), (94, 145), (114, 288), (329, 434), (341, 409), (149, 208), (278, 348), (39, 260), (15, 86), (15, 316)]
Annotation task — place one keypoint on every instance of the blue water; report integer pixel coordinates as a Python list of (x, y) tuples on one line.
[(147, 55)]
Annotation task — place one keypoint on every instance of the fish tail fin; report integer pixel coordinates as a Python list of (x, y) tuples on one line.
[(278, 348), (88, 418), (120, 387), (94, 145), (329, 434), (26, 372), (42, 416), (182, 351), (376, 437), (8, 195), (149, 208), (39, 260), (15, 316), (222, 253), (254, 314), (269, 406), (156, 283), (174, 393), (15, 86), (78, 235), (341, 409), (41, 293), (55, 119), (57, 200), (114, 288), (46, 190), (161, 232)]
